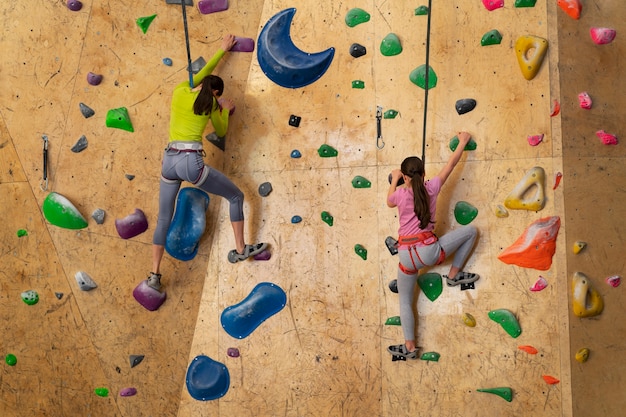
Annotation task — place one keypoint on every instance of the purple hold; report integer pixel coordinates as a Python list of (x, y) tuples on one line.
[(94, 79), (263, 256), (233, 352), (128, 392), (74, 5)]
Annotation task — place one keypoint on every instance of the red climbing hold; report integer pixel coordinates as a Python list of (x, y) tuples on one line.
[(493, 4), (556, 108), (606, 138), (571, 7), (557, 180), (535, 140), (602, 36), (550, 379)]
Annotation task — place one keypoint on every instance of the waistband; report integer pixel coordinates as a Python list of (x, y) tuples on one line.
[(424, 238), (184, 146)]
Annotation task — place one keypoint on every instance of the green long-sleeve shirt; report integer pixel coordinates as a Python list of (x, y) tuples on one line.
[(184, 124)]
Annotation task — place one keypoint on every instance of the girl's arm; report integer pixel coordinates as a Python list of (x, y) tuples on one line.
[(396, 174), (445, 172)]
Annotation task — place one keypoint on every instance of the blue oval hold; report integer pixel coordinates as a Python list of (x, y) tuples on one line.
[(296, 219), (167, 61), (188, 225), (296, 153), (265, 300), (207, 379)]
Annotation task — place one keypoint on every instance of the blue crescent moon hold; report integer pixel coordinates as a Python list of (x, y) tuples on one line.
[(284, 63)]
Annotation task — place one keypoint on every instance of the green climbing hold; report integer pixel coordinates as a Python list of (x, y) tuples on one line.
[(430, 356), (421, 11), (101, 392), (59, 211), (358, 84), (470, 146), (327, 151), (431, 285), (391, 45), (327, 218), (30, 297), (507, 320), (525, 3), (418, 77), (390, 114), (464, 212), (393, 321), (22, 233), (361, 251), (356, 16), (361, 182), (504, 392), (10, 359), (144, 22), (119, 119), (493, 37)]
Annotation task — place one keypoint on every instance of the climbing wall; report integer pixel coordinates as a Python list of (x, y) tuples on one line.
[(325, 352)]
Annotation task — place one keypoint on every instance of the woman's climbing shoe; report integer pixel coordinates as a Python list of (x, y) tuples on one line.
[(462, 278), (402, 351), (248, 251), (154, 281)]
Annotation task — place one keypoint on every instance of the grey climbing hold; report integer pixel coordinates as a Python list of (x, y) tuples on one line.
[(392, 245), (98, 215), (465, 105), (86, 110), (58, 295), (81, 145), (197, 65), (357, 50), (84, 281), (219, 141), (129, 177), (135, 360), (265, 189)]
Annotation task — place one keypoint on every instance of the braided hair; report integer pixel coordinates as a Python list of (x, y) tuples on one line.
[(413, 167)]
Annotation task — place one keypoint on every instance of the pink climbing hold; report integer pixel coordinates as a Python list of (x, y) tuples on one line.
[(584, 100), (539, 285), (606, 138), (614, 280), (535, 140), (602, 36), (493, 4)]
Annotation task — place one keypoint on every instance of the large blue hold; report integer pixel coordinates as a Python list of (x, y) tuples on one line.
[(265, 300), (188, 224), (282, 61), (207, 379)]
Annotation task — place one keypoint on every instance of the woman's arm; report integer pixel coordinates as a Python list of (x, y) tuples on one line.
[(445, 172), (227, 43)]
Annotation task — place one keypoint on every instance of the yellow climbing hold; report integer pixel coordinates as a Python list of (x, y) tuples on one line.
[(530, 51), (501, 212), (469, 320), (519, 198), (582, 355), (586, 300), (579, 246)]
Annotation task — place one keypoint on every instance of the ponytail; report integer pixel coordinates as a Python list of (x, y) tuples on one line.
[(206, 101), (413, 167)]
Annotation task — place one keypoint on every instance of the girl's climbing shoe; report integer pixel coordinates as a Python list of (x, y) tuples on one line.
[(402, 351), (248, 251), (462, 278), (154, 281)]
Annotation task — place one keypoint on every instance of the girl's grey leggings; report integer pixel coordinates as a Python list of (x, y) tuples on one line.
[(460, 241), (181, 166)]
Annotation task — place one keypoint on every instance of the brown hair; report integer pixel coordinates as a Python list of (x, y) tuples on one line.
[(413, 167), (206, 101)]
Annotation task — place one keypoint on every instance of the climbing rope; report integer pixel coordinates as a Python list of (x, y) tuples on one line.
[(426, 80), (187, 43)]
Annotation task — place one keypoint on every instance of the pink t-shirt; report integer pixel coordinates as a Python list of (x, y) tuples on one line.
[(403, 199)]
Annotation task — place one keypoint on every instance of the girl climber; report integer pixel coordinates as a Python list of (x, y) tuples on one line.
[(191, 110), (418, 246)]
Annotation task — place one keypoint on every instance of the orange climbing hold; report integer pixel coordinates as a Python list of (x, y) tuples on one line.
[(536, 246), (571, 7), (528, 349), (550, 379), (556, 108)]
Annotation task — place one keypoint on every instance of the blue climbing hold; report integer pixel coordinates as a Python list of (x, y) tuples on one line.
[(296, 219), (167, 61), (265, 300), (296, 154), (282, 61), (207, 379), (188, 224)]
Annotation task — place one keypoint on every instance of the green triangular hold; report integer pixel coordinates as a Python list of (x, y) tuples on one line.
[(361, 251), (391, 45), (431, 285), (418, 77), (421, 11), (464, 212), (59, 211), (361, 182), (504, 392), (393, 321), (144, 22), (390, 114), (525, 3), (493, 37), (327, 218), (327, 151), (119, 118), (470, 146), (356, 16), (507, 320)]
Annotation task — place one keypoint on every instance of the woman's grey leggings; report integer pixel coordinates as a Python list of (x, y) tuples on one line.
[(460, 241), (181, 166)]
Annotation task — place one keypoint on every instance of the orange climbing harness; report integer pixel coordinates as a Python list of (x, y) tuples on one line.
[(415, 241)]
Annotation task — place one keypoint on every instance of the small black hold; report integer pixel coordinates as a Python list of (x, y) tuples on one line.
[(397, 358), (467, 286), (265, 189), (135, 360), (392, 245), (294, 120), (393, 286), (357, 50), (81, 145), (129, 177), (58, 295), (219, 141), (86, 110), (118, 370), (465, 105), (400, 181)]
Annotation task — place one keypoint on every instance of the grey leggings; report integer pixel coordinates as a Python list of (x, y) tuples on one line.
[(181, 166), (460, 241)]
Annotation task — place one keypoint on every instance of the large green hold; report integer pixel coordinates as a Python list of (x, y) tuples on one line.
[(356, 16), (418, 77), (59, 211), (507, 320), (431, 285), (119, 119), (470, 146), (504, 392), (464, 212), (391, 45)]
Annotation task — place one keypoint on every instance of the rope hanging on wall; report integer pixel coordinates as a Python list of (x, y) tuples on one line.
[(187, 44), (427, 71)]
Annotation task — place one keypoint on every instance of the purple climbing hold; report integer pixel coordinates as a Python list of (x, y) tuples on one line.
[(263, 256), (148, 297), (132, 225), (94, 79), (128, 392), (243, 45), (233, 352), (74, 5)]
